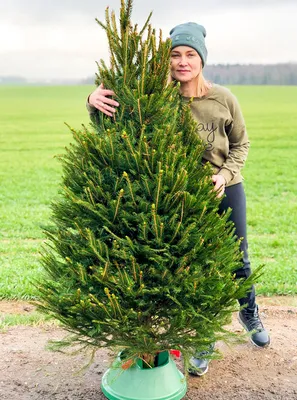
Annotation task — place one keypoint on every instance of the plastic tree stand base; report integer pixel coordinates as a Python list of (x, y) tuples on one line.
[(164, 382)]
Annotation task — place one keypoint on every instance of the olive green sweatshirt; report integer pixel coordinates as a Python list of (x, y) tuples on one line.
[(221, 126)]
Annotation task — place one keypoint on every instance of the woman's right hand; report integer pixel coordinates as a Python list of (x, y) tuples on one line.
[(103, 103)]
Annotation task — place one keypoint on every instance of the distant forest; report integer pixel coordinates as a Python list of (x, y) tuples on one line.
[(253, 74), (226, 74)]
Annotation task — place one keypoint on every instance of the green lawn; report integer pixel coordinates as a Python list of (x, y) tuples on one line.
[(32, 133), (270, 182)]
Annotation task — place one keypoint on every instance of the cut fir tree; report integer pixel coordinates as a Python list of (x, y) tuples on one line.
[(137, 256)]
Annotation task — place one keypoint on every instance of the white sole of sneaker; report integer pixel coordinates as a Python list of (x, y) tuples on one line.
[(196, 373), (256, 345)]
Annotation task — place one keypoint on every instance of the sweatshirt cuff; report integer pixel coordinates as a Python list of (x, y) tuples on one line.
[(91, 109), (226, 174)]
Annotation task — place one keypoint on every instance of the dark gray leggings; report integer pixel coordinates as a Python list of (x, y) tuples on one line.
[(235, 199)]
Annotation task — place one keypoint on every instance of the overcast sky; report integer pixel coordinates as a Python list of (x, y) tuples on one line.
[(60, 39)]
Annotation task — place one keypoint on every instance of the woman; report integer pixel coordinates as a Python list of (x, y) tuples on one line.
[(221, 126)]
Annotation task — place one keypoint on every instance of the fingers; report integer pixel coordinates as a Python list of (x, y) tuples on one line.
[(108, 108), (104, 105), (216, 185), (216, 182), (221, 192), (103, 108), (107, 100), (106, 92), (219, 185), (102, 93), (99, 99), (220, 189)]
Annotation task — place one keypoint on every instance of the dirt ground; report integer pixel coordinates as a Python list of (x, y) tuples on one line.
[(30, 372)]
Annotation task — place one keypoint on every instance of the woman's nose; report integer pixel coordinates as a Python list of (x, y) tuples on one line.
[(182, 61)]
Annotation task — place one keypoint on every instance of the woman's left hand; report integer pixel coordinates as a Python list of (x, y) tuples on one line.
[(219, 184)]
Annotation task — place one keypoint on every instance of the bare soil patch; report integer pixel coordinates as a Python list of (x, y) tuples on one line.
[(29, 371)]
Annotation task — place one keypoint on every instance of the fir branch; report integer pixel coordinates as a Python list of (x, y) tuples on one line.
[(119, 270), (146, 24), (126, 176), (121, 194), (160, 175)]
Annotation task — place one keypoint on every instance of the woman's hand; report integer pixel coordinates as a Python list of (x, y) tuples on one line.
[(103, 103), (219, 184)]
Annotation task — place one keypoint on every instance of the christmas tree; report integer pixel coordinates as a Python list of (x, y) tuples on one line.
[(137, 256)]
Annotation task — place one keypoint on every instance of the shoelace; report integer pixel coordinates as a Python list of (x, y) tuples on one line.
[(253, 321)]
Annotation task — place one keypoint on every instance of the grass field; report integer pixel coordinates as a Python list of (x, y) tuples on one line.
[(32, 132)]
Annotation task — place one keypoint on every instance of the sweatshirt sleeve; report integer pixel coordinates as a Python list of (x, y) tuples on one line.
[(238, 142), (93, 112)]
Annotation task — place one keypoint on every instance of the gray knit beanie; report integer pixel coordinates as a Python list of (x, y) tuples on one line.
[(192, 35)]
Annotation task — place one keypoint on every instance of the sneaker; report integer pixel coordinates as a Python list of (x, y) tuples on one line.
[(199, 364), (251, 322)]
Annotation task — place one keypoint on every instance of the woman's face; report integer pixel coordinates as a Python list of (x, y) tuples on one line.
[(185, 64)]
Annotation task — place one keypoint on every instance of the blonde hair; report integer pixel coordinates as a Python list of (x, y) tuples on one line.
[(203, 85)]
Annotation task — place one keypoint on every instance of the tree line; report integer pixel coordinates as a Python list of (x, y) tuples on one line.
[(225, 74), (252, 74)]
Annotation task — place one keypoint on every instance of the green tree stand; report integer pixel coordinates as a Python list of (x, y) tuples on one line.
[(164, 382)]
